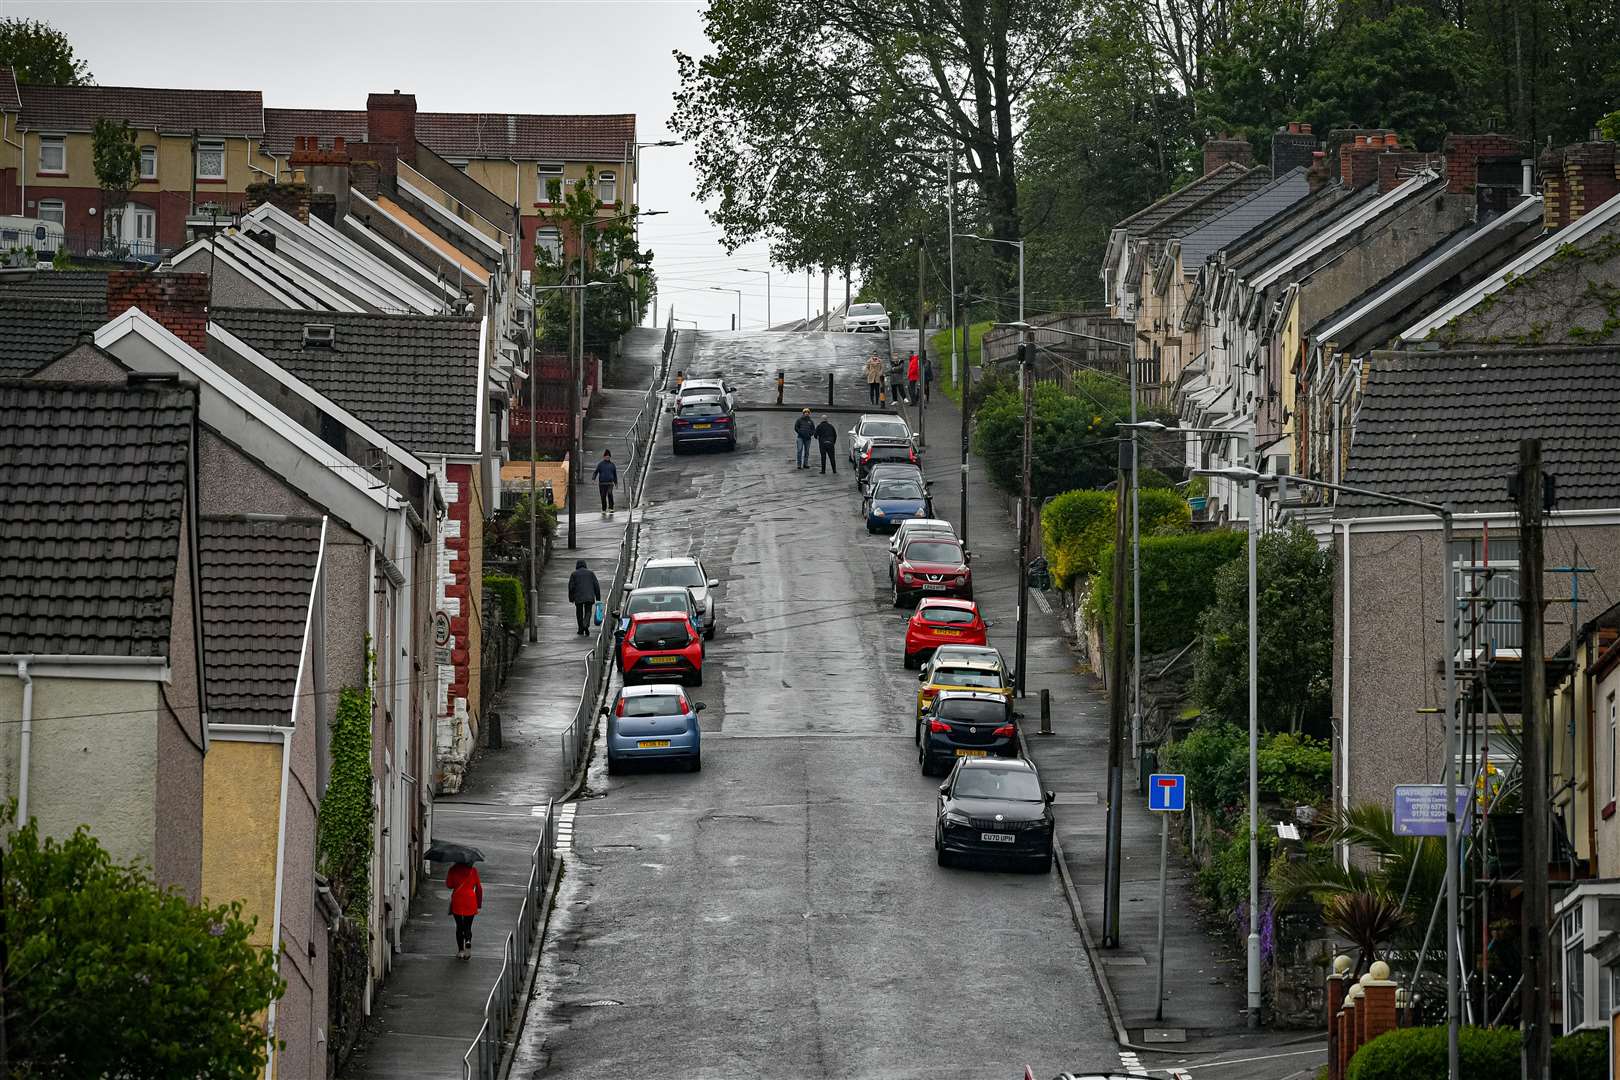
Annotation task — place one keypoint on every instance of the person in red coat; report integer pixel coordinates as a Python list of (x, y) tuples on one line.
[(913, 377), (466, 897)]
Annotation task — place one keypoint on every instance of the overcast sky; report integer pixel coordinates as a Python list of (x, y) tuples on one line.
[(568, 57)]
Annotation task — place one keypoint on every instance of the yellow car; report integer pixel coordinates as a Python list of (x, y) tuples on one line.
[(961, 667)]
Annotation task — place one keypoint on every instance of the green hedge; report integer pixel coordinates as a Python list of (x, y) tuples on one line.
[(508, 592), (1177, 584), (1487, 1054), (1077, 525)]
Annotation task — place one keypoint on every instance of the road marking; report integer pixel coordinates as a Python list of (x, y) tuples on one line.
[(565, 829), (1133, 1064)]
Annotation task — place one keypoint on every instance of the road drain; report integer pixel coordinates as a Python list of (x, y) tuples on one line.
[(600, 1003), (615, 847)]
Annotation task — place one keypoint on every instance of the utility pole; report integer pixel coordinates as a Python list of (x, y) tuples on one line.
[(574, 395), (1026, 353), (1535, 990), (967, 385), (922, 349), (826, 312), (1116, 711), (534, 498)]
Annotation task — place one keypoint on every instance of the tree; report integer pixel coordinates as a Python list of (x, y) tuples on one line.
[(38, 53), (1257, 80), (611, 256), (118, 162), (1295, 608), (1073, 444), (107, 975)]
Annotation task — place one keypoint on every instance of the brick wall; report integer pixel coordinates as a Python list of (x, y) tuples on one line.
[(177, 301), (1291, 148), (10, 192), (290, 198), (1358, 156), (1218, 152), (1463, 154), (1577, 179), (391, 119)]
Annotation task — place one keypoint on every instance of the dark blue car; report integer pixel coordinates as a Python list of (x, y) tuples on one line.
[(703, 421), (893, 500)]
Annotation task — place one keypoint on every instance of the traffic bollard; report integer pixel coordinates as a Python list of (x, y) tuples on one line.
[(1046, 711), (829, 388)]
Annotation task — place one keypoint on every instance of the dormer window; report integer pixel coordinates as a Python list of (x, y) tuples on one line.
[(319, 335)]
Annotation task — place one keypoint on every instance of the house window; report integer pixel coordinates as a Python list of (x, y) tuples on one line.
[(52, 154), (607, 187), (1614, 748), (210, 159), (544, 173), (53, 210), (548, 245), (148, 163), (1484, 626), (1574, 973)]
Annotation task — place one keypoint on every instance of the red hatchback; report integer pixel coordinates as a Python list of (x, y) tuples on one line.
[(941, 621), (935, 565), (659, 646)]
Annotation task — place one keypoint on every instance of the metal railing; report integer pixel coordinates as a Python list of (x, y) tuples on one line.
[(482, 1060)]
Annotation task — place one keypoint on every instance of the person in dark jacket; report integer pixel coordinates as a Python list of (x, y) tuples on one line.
[(827, 436), (897, 381), (583, 593), (805, 429), (607, 477), (928, 378)]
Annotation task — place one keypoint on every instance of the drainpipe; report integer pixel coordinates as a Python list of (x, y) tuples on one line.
[(248, 143), (27, 741)]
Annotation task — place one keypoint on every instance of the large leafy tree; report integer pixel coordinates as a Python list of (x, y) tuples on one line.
[(107, 975), (1075, 443), (41, 54), (1295, 638), (117, 161), (611, 256)]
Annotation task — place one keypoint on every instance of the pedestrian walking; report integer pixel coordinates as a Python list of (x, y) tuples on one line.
[(781, 384), (805, 429), (928, 378), (680, 381), (897, 381), (913, 378), (607, 478), (583, 592), (827, 436), (874, 378), (466, 897)]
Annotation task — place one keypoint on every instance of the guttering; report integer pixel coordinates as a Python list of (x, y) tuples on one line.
[(1495, 519), (71, 666), (483, 394), (248, 142), (193, 539), (27, 741)]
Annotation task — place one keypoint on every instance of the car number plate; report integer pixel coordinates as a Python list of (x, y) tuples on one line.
[(996, 837), (948, 633), (653, 744), (662, 659), (934, 587), (972, 753), (702, 427)]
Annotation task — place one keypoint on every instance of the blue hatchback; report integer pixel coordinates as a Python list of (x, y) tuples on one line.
[(654, 722), (893, 500)]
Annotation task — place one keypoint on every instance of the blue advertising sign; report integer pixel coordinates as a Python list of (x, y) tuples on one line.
[(1167, 792), (1420, 809)]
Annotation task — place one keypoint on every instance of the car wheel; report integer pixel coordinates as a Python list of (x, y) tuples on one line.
[(612, 765), (695, 765), (869, 529), (708, 632), (697, 680), (731, 444), (943, 857), (899, 600), (910, 660), (1043, 865)]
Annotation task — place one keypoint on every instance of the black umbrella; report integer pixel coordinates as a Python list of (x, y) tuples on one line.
[(452, 852)]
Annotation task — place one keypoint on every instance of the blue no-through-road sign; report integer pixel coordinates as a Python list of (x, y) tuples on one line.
[(1167, 792)]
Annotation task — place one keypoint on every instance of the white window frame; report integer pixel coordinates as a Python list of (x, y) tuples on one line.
[(1573, 957), (138, 214), (544, 173), (1614, 748), (549, 238), (59, 144), (149, 154), (45, 208), (207, 145), (609, 181)]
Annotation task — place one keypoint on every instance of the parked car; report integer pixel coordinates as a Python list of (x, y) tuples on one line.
[(875, 425), (917, 527), (935, 565), (660, 646), (656, 722), (881, 450), (965, 724), (940, 621), (703, 421), (715, 387), (884, 470), (686, 572), (866, 319), (657, 598), (994, 808), (962, 667), (893, 500)]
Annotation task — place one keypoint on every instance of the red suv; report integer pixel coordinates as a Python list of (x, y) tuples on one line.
[(940, 621), (934, 566), (659, 646)]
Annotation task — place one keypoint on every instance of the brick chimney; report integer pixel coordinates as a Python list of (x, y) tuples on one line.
[(1218, 152), (177, 301), (1396, 166), (1577, 179), (291, 197), (1358, 149), (1465, 154), (1291, 148), (391, 119), (326, 171)]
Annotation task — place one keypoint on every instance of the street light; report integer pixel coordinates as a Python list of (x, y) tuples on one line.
[(1019, 244), (720, 288), (767, 273), (636, 191)]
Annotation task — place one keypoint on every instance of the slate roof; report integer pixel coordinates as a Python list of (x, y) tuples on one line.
[(84, 285), (256, 580), (1208, 206), (9, 101), (526, 136), (77, 108), (1445, 427), (1241, 217), (412, 377), (1183, 197), (94, 479), (33, 331)]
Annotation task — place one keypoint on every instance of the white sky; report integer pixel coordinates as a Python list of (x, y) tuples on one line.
[(559, 56)]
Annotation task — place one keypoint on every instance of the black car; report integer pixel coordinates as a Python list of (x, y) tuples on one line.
[(995, 807), (881, 449), (965, 724)]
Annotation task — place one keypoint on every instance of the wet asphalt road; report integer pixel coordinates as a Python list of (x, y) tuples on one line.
[(780, 914)]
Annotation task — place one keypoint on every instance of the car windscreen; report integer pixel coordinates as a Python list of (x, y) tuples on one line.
[(653, 705), (687, 576), (702, 408), (981, 712), (694, 387), (669, 600), (949, 616), (1014, 784), (885, 429), (660, 634), (883, 452), (933, 551), (948, 676), (866, 309), (898, 489)]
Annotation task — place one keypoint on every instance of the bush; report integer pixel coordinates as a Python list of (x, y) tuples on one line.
[(1215, 759), (508, 592), (1297, 770), (1176, 576), (1581, 1056), (1077, 525), (1419, 1053)]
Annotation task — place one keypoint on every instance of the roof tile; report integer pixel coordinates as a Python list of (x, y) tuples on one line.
[(207, 112), (39, 330), (526, 136)]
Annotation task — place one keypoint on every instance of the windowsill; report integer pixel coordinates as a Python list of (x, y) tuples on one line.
[(43, 172), (1608, 811), (147, 180), (210, 180)]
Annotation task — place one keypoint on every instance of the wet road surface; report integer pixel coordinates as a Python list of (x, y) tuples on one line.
[(780, 914)]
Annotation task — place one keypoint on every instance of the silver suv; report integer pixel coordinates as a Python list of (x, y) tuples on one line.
[(686, 572)]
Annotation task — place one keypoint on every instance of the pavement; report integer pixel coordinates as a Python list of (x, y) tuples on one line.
[(431, 1005)]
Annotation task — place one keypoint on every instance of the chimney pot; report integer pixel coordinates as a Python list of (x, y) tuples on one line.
[(1392, 139), (1304, 129), (1293, 129)]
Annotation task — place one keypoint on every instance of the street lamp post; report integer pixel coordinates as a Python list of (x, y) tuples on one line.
[(718, 288), (636, 180), (767, 273), (1019, 244)]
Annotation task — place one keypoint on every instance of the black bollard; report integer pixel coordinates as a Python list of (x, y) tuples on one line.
[(1046, 711)]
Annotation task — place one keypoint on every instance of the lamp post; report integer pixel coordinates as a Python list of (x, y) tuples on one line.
[(767, 273), (636, 180), (1019, 244), (719, 288)]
